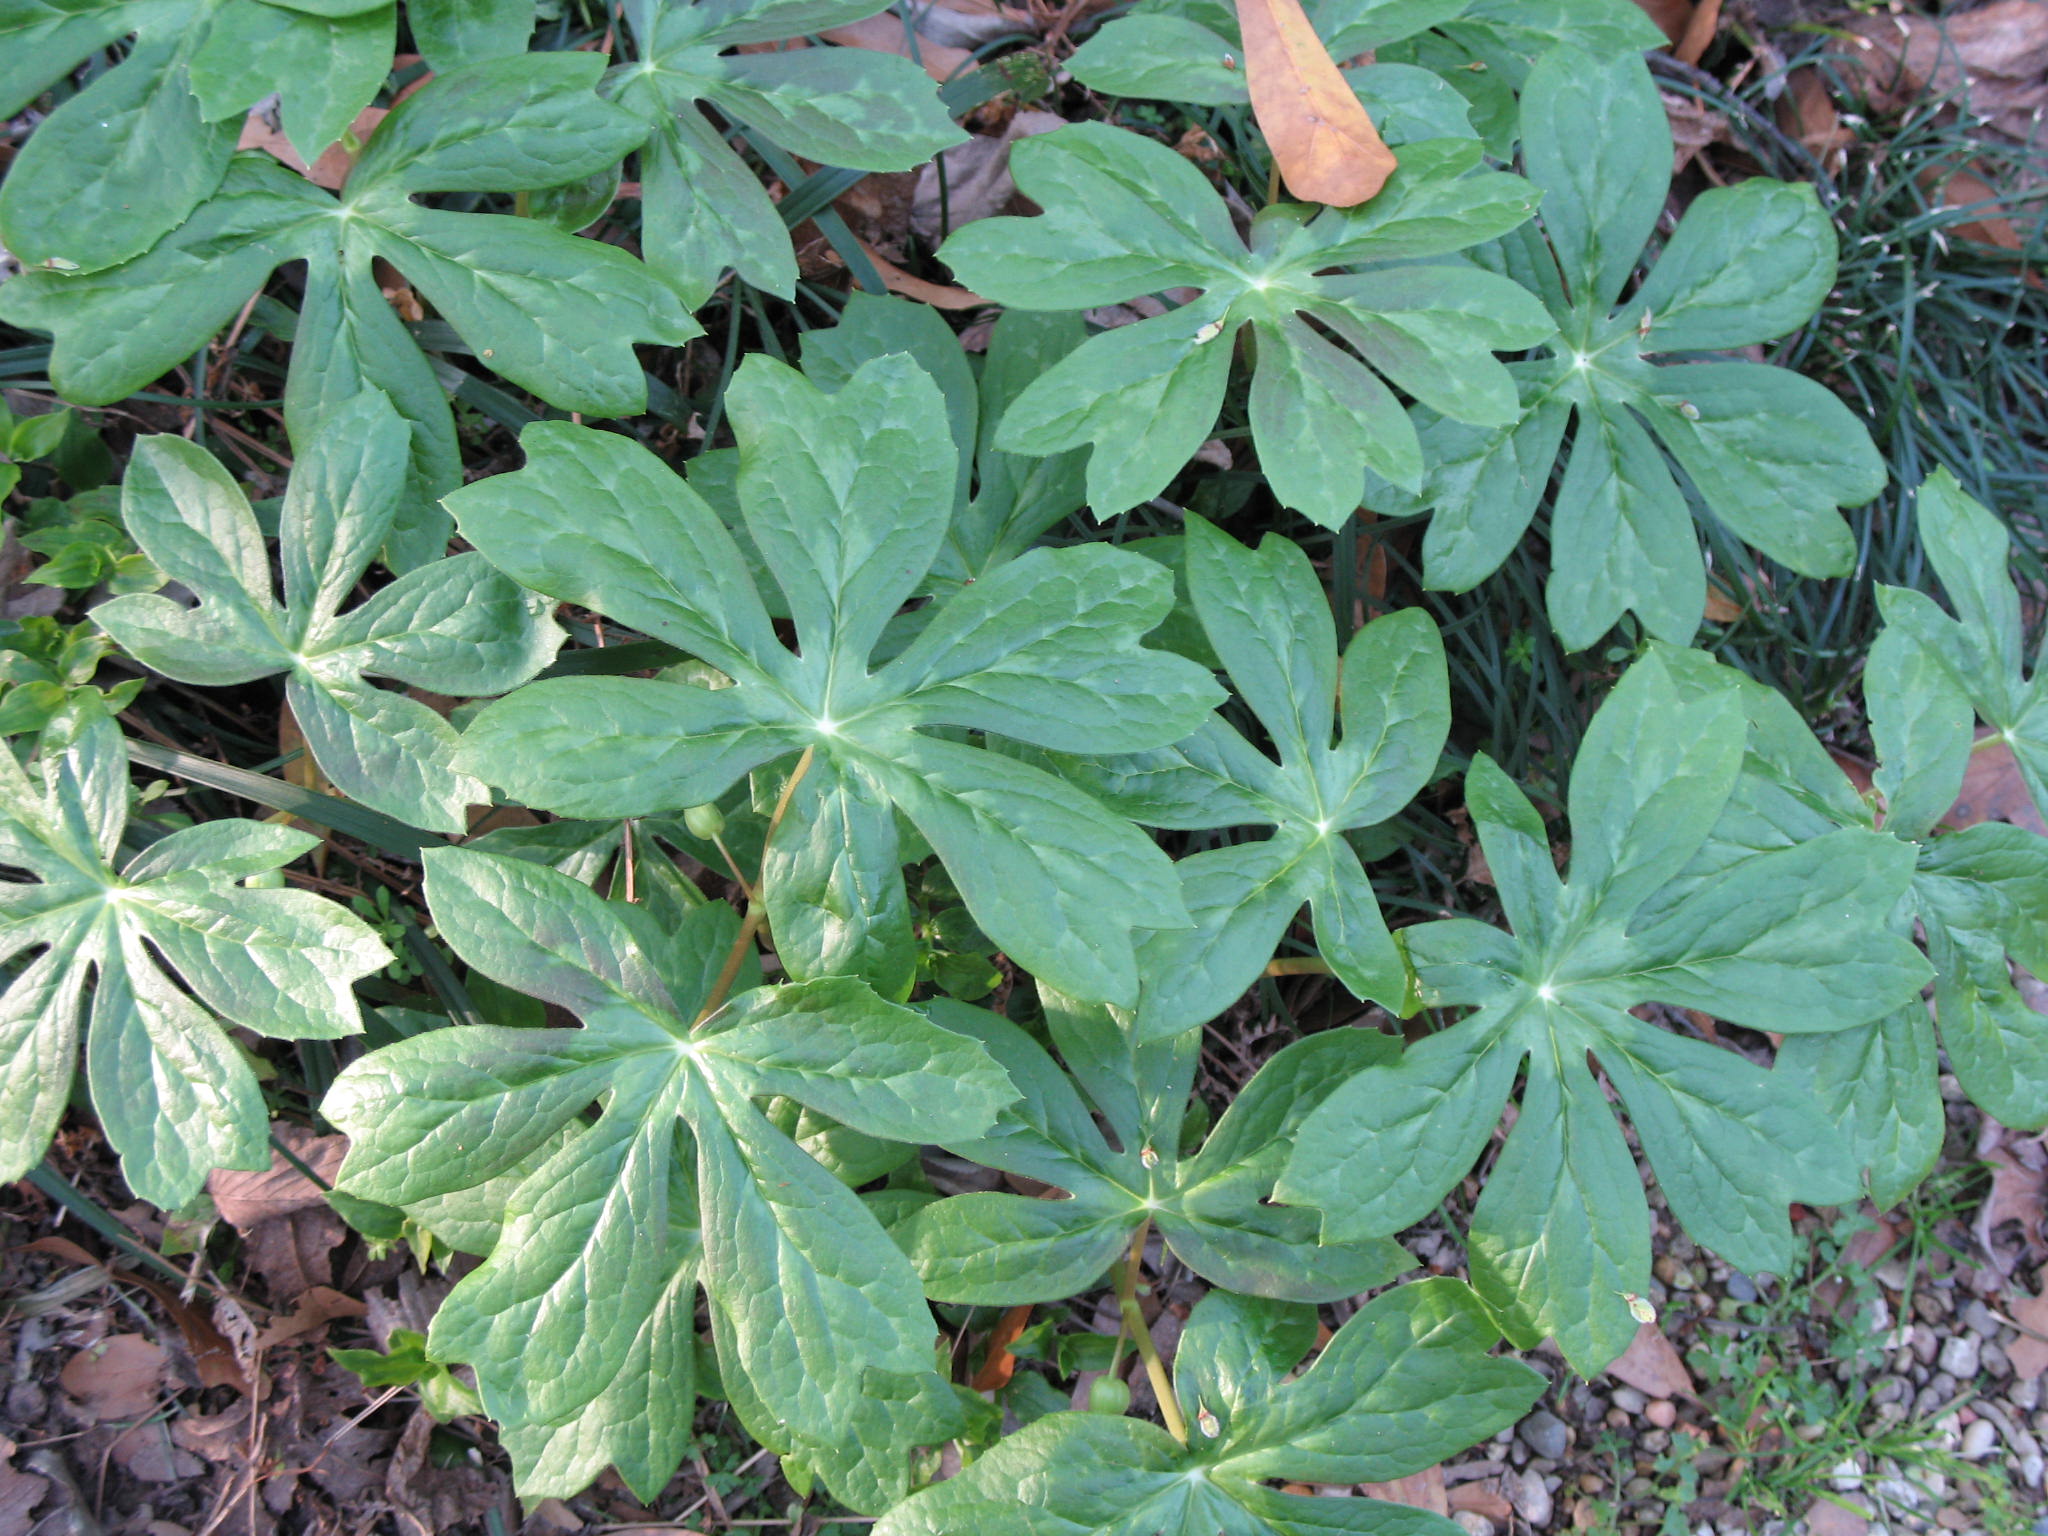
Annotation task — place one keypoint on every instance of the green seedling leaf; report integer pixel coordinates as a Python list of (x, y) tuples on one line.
[(405, 1364), (1795, 940), (151, 959), (1266, 617), (554, 314), (1768, 453), (1404, 1384), (452, 627), (1127, 216), (579, 1327), (704, 208), (847, 498), (1211, 1207)]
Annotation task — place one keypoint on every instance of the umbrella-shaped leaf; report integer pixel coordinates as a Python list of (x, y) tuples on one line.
[(1211, 1207), (848, 498), (455, 626), (175, 1095), (823, 1335), (1770, 454), (705, 209), (1267, 619), (1404, 1384), (1126, 216), (552, 313), (1796, 940)]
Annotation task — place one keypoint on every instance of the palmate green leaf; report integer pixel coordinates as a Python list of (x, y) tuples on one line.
[(1979, 649), (453, 627), (1404, 1384), (1126, 216), (1796, 939), (704, 209), (1266, 617), (1210, 1207), (1977, 895), (848, 498), (825, 1343), (554, 314), (163, 951), (1769, 454)]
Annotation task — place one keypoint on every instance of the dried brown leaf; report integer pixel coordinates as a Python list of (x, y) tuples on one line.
[(2029, 1352), (1323, 140), (1651, 1365), (244, 1199), (1993, 790), (318, 1307), (117, 1378), (1418, 1490)]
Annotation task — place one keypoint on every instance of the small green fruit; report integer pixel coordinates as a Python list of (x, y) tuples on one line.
[(705, 821), (1106, 1394)]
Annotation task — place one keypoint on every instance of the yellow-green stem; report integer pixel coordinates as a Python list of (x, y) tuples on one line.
[(756, 912), (1306, 965), (1134, 1322)]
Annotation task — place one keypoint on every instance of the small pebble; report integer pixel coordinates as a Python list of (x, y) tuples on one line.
[(1740, 1286), (1994, 1361), (1979, 1441), (1661, 1413), (1545, 1434), (1655, 1440), (2031, 1469), (2025, 1395), (1959, 1356), (1629, 1400), (1473, 1523), (1846, 1476), (1979, 1320), (1637, 1488), (1530, 1498), (1898, 1491)]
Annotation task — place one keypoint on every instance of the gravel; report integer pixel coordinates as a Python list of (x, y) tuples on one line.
[(1961, 1355), (1546, 1435)]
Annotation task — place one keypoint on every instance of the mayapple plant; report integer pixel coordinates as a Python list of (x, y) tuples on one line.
[(870, 670)]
